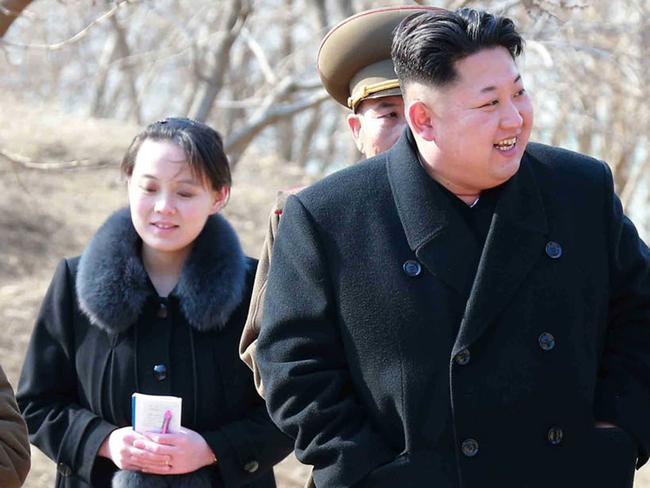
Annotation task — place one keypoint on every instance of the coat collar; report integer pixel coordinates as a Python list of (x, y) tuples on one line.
[(113, 286), (442, 241)]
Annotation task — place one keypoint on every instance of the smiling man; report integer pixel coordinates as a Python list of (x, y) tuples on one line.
[(467, 309)]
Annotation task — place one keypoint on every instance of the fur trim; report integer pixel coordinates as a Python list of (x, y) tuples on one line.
[(134, 479), (113, 286)]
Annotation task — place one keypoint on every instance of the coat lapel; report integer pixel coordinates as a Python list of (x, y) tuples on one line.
[(439, 236), (515, 241)]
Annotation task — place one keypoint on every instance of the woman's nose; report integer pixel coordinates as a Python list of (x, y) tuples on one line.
[(165, 204)]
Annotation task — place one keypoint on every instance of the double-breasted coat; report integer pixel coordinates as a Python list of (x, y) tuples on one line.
[(104, 333), (397, 351)]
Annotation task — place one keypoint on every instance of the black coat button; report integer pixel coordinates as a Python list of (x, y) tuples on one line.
[(546, 341), (463, 357), (469, 447), (412, 268), (555, 435), (64, 470), (162, 309), (160, 372), (251, 466), (553, 250)]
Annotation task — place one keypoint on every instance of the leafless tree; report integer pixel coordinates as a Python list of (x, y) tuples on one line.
[(248, 68)]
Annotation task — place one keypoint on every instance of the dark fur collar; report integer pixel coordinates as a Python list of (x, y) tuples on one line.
[(113, 286)]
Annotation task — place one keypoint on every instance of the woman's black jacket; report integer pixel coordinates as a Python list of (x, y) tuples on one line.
[(104, 333)]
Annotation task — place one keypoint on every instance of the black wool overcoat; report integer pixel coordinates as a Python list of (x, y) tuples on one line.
[(103, 333), (396, 353)]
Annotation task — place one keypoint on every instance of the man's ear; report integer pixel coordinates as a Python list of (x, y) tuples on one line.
[(354, 122), (220, 199), (421, 120)]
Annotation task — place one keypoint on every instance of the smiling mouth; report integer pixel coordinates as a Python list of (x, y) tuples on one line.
[(162, 226), (506, 144)]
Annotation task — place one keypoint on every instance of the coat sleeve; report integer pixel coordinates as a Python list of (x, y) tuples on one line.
[(623, 391), (247, 449), (301, 357), (248, 343), (64, 430), (14, 445)]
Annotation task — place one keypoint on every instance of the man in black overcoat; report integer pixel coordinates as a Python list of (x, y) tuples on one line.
[(467, 309)]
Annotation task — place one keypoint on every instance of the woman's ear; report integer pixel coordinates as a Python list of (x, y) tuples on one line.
[(220, 199), (421, 120)]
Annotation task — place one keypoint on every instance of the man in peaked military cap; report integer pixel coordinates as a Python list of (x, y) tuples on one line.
[(356, 70)]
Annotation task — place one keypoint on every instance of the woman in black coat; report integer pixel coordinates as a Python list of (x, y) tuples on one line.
[(155, 304)]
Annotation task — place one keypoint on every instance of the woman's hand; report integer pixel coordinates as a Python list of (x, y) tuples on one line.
[(186, 450), (120, 447)]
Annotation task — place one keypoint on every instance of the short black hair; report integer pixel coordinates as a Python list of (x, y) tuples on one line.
[(203, 147), (426, 45)]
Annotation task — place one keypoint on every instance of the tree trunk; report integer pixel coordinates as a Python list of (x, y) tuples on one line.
[(235, 16), (308, 135), (124, 52), (97, 105), (284, 129)]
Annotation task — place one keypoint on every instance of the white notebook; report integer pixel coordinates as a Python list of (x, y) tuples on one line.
[(150, 413)]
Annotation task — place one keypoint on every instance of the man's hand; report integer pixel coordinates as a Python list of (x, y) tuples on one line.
[(120, 447)]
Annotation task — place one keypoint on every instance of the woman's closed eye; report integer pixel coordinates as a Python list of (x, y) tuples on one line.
[(148, 188)]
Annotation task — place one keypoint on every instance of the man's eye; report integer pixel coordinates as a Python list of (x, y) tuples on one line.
[(520, 92), (148, 189), (491, 103), (185, 194)]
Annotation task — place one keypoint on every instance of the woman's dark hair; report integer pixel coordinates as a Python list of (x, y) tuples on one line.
[(426, 45), (202, 145)]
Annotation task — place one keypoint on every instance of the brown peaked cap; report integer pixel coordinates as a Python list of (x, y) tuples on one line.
[(354, 61)]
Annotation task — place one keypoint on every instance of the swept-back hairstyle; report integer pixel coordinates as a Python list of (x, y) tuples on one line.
[(202, 145), (426, 45)]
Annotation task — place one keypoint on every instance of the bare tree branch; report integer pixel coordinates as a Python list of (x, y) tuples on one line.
[(28, 163), (77, 37), (240, 139), (258, 52)]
